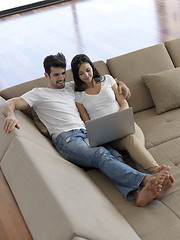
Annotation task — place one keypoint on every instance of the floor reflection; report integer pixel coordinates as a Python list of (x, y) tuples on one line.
[(99, 28)]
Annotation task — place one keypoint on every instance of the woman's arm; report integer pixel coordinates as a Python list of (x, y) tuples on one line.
[(82, 111), (120, 98)]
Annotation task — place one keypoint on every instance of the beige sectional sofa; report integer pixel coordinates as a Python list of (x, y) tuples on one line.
[(60, 201)]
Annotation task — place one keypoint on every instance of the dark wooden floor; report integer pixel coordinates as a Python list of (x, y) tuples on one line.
[(99, 28)]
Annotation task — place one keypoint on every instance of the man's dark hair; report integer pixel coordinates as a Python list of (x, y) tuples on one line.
[(56, 61)]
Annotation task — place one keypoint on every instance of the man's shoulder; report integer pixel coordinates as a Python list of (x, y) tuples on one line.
[(36, 89), (33, 92), (70, 86)]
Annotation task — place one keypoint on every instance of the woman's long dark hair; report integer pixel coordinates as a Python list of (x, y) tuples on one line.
[(75, 65)]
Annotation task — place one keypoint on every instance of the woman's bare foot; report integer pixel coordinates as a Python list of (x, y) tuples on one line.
[(147, 193), (168, 182), (162, 167)]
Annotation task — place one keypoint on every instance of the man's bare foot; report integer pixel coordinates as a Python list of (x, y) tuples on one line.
[(149, 192), (168, 182)]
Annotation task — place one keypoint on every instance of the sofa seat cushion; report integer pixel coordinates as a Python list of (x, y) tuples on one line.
[(57, 199), (167, 153), (164, 88), (162, 135), (79, 238), (158, 128), (157, 219)]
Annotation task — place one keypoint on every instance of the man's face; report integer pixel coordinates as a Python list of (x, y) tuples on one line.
[(56, 78)]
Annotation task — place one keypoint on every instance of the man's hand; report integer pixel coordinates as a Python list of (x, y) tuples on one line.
[(10, 123), (123, 89), (8, 109)]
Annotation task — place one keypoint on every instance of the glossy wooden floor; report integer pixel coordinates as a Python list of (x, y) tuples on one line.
[(100, 28), (12, 225)]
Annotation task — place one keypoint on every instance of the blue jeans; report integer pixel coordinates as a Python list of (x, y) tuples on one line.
[(71, 146)]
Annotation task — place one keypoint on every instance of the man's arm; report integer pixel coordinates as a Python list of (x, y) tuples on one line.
[(120, 98), (123, 89), (8, 109)]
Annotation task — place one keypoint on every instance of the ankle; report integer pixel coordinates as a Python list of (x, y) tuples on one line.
[(152, 170), (146, 179)]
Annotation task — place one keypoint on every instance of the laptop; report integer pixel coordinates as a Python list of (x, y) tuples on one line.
[(110, 127)]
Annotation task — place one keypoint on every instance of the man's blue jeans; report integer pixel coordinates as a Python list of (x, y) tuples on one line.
[(71, 146)]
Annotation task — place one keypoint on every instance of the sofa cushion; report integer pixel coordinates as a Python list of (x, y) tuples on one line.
[(42, 128), (159, 129), (79, 238), (57, 199), (130, 67), (164, 88)]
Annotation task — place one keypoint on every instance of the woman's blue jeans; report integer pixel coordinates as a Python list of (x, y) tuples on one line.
[(71, 146)]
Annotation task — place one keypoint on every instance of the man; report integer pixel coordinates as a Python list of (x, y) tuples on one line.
[(55, 106)]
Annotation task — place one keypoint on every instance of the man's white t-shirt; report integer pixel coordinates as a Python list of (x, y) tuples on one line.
[(56, 108), (102, 103)]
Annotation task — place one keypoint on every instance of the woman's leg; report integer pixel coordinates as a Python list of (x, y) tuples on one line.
[(139, 134), (134, 144)]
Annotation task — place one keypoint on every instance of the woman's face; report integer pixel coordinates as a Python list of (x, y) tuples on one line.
[(85, 72)]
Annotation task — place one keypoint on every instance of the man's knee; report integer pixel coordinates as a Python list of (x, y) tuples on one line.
[(100, 155)]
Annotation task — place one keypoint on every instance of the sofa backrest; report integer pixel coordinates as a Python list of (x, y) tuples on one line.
[(173, 48), (130, 67)]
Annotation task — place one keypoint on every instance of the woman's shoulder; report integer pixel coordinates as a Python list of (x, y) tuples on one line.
[(108, 79)]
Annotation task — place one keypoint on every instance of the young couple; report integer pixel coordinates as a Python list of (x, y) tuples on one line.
[(56, 108)]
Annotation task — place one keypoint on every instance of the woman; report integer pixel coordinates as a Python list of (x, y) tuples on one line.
[(97, 96)]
